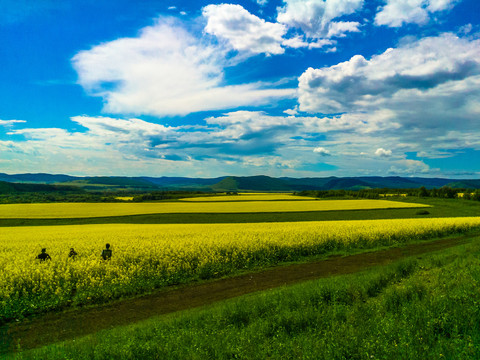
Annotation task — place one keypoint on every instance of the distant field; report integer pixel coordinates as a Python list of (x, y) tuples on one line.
[(88, 210), (249, 197)]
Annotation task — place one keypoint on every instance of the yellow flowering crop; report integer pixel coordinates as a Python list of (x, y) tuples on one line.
[(83, 210), (249, 197), (151, 256)]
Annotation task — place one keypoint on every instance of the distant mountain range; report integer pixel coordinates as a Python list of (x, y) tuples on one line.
[(239, 183)]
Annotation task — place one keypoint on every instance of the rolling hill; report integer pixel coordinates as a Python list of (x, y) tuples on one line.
[(235, 183)]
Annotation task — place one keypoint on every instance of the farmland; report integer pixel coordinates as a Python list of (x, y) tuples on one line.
[(424, 308), (249, 197), (85, 210), (152, 257)]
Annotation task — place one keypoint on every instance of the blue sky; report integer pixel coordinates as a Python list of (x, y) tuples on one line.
[(277, 87)]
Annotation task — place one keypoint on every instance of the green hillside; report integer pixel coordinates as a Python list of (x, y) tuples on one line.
[(465, 184), (252, 183), (10, 188)]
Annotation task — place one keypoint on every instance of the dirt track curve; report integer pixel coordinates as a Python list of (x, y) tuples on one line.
[(56, 327)]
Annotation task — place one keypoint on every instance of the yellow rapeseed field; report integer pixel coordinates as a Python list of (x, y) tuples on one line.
[(151, 256), (249, 197), (83, 210)]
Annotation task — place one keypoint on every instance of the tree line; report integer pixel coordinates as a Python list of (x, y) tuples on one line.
[(444, 192)]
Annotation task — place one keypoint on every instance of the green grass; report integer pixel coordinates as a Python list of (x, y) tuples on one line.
[(440, 208), (419, 308)]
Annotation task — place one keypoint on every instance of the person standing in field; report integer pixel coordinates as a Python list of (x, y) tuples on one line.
[(72, 254), (43, 255), (107, 252)]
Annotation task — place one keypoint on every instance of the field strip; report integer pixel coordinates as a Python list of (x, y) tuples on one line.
[(88, 210), (57, 327), (249, 197)]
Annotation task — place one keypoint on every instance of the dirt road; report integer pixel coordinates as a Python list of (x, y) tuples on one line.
[(56, 327)]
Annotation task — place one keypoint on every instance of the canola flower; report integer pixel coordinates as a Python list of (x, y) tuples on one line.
[(146, 257), (85, 210)]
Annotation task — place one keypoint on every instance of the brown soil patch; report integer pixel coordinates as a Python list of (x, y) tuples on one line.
[(56, 327)]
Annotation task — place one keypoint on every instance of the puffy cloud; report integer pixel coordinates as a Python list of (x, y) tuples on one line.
[(314, 17), (240, 142), (244, 31), (339, 28), (421, 97), (420, 66), (398, 12), (410, 167), (383, 153), (322, 151), (164, 71)]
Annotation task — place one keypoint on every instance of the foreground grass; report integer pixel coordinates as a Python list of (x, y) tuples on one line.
[(424, 308)]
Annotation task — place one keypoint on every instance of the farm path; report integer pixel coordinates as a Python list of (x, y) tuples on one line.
[(56, 327)]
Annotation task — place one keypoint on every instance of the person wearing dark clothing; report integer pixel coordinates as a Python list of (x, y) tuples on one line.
[(44, 256), (72, 253), (107, 252)]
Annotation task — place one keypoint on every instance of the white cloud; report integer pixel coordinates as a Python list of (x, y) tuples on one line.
[(297, 42), (291, 112), (165, 71), (420, 97), (240, 142), (421, 65), (398, 12), (10, 122), (383, 153), (339, 28), (322, 151), (410, 167), (439, 5), (314, 17), (244, 31)]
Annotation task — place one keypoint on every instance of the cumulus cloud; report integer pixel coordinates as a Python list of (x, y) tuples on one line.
[(421, 66), (339, 28), (322, 151), (422, 96), (314, 17), (246, 139), (239, 142), (164, 71), (242, 30), (410, 167), (396, 13), (383, 153)]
